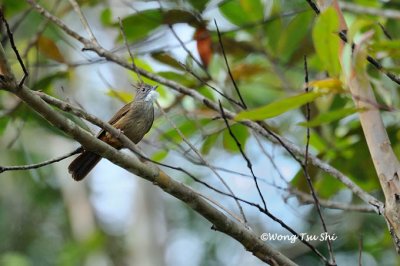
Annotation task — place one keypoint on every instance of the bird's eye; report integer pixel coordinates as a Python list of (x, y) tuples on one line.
[(143, 89)]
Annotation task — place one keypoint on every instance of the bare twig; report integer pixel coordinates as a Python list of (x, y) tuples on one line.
[(129, 50), (305, 169), (41, 28), (239, 145), (203, 160), (209, 85), (188, 52), (313, 6), (305, 198), (387, 34), (14, 47), (84, 21), (17, 23), (261, 209), (243, 105), (381, 12), (233, 215), (38, 165), (270, 158), (360, 248)]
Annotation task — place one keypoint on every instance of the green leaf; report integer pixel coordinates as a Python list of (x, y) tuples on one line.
[(187, 127), (142, 64), (358, 25), (198, 4), (3, 124), (167, 59), (240, 12), (274, 30), (241, 135), (106, 17), (46, 82), (13, 7), (159, 156), (291, 37), (185, 80), (139, 25), (278, 107), (14, 259), (206, 92), (326, 40), (327, 186), (329, 117), (73, 252), (123, 96), (209, 143), (174, 16)]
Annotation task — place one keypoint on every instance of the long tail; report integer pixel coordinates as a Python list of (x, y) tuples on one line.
[(83, 164)]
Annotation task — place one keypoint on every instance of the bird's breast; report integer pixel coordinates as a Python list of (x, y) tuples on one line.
[(139, 120)]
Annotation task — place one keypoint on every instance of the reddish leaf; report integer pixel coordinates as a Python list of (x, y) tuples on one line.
[(204, 45), (49, 48)]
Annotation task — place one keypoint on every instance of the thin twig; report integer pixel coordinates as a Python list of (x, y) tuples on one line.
[(233, 215), (305, 168), (14, 47), (313, 6), (58, 22), (38, 165), (202, 159), (270, 159), (261, 209), (305, 198), (360, 247), (243, 105), (19, 129), (387, 34), (239, 145), (374, 11), (209, 85), (84, 21), (17, 23), (129, 50), (188, 52)]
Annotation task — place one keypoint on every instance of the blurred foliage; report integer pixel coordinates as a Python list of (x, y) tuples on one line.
[(265, 43)]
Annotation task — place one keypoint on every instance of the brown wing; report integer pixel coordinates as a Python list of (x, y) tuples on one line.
[(121, 112)]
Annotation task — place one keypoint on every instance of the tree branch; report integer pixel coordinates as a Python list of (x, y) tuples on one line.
[(386, 164)]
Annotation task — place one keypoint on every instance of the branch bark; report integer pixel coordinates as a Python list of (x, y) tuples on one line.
[(385, 161)]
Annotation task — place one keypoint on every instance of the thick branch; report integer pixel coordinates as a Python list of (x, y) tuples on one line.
[(386, 164)]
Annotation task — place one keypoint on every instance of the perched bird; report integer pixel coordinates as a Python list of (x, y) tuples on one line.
[(134, 120)]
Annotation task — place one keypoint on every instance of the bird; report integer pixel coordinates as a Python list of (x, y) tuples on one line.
[(134, 120)]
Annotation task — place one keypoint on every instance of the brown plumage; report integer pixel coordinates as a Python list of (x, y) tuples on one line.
[(134, 120)]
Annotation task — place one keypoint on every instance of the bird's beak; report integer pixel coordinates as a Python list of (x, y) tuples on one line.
[(154, 88)]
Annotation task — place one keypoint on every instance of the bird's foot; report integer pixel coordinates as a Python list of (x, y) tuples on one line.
[(120, 131)]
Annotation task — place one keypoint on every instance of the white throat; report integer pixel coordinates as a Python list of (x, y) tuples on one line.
[(151, 97)]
